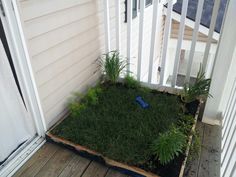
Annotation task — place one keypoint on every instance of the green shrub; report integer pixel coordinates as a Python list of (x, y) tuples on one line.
[(199, 90), (76, 108), (92, 96), (185, 123), (130, 82), (112, 65), (168, 145)]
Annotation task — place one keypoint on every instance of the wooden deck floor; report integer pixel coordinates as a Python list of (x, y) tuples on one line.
[(208, 163), (54, 161)]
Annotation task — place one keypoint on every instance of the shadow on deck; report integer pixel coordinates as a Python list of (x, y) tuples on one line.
[(54, 161)]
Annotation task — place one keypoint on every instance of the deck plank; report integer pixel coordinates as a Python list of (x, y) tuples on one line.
[(210, 156), (95, 170), (76, 167), (56, 164), (39, 159), (114, 173)]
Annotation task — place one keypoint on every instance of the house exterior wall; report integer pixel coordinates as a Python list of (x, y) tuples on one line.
[(64, 39)]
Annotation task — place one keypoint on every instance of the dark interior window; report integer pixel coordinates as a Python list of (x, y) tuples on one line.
[(134, 9)]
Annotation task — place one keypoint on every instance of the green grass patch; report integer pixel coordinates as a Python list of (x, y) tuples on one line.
[(117, 127)]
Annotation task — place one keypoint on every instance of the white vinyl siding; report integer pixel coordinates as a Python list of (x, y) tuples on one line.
[(64, 39)]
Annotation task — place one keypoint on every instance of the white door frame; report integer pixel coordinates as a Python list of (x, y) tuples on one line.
[(21, 59)]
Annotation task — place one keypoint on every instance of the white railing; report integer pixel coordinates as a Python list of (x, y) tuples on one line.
[(228, 154), (167, 7), (166, 40), (194, 40)]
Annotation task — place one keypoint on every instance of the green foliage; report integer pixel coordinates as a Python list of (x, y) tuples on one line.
[(195, 148), (76, 108), (112, 65), (199, 90), (92, 96), (168, 145), (185, 123), (130, 82)]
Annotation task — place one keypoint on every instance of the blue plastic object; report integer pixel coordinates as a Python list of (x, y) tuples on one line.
[(141, 102)]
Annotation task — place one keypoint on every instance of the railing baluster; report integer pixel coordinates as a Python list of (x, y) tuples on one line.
[(166, 40), (179, 43), (194, 39), (107, 25), (129, 33), (117, 25), (140, 42), (153, 38), (211, 32)]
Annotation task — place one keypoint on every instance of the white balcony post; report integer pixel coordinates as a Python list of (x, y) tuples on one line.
[(117, 25), (140, 42), (211, 32), (129, 33), (179, 43), (166, 40), (107, 26), (153, 38), (222, 70), (194, 39)]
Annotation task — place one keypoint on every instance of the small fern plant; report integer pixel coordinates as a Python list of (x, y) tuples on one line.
[(91, 98), (199, 90), (168, 146), (78, 102), (112, 65), (76, 108)]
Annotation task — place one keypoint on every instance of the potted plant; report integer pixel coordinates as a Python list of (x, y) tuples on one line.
[(197, 92)]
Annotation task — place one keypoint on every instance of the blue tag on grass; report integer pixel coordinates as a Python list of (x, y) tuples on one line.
[(141, 102)]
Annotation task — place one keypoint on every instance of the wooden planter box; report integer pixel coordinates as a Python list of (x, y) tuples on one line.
[(127, 169)]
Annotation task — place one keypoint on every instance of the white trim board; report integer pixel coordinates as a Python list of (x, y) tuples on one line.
[(190, 23)]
